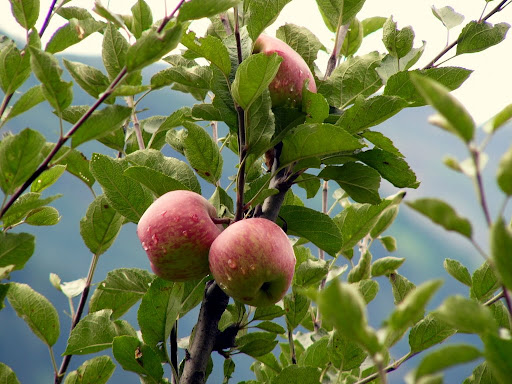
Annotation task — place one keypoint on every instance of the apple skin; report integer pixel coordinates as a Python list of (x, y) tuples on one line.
[(253, 261), (286, 87), (176, 232)]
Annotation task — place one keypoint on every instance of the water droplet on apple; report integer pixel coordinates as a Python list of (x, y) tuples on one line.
[(148, 228), (252, 267), (231, 263), (185, 233), (242, 269), (229, 278), (103, 284), (155, 239), (176, 218), (145, 246), (163, 213), (195, 218)]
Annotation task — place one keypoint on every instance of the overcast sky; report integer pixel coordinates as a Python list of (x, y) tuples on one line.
[(486, 92)]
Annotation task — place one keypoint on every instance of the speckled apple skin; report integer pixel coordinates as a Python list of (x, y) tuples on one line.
[(251, 254), (176, 232), (286, 88)]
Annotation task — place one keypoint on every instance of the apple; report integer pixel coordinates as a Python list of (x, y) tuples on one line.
[(253, 261), (286, 88), (176, 232)]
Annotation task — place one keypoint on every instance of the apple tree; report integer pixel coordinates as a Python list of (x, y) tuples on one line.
[(264, 274)]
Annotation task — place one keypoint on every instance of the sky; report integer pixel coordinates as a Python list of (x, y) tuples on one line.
[(485, 93)]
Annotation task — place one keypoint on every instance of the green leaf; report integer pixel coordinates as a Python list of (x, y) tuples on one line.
[(448, 16), (316, 355), (97, 370), (24, 205), (73, 13), (269, 326), (209, 47), (315, 226), (344, 353), (256, 344), (485, 282), (360, 182), (458, 271), (289, 374), (156, 181), (14, 68), (400, 84), (381, 141), (391, 167), (310, 183), (386, 265), (353, 38), (482, 374), (268, 312), (25, 12), (368, 288), (316, 140), (100, 226), (121, 289), (466, 315), (338, 12), (43, 216), (47, 178), (428, 332), (158, 311), (504, 173), (114, 51), (127, 196), (412, 308), (362, 269), (47, 70), (260, 128), (197, 9), (398, 42), (202, 153), (35, 309), (101, 123), (16, 249), (72, 33), (384, 222), (353, 77), (497, 353), (366, 113), (357, 220), (443, 214), (169, 166), (400, 287), (28, 100), (500, 314), (478, 36), (351, 321), (7, 375), (315, 106), (20, 156), (75, 161), (263, 13), (302, 41), (193, 292), (196, 78), (253, 76), (456, 118), (446, 357), (388, 242), (497, 121), (95, 332), (142, 18), (152, 46), (137, 357), (90, 79), (501, 243), (296, 307), (390, 65), (372, 24), (310, 272)]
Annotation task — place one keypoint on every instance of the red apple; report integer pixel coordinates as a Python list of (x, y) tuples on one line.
[(286, 88), (176, 232), (253, 261)]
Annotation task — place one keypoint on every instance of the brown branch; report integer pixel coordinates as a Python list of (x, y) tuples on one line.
[(205, 335), (446, 49), (62, 140), (5, 103)]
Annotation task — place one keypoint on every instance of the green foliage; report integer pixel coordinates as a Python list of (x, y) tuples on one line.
[(320, 330)]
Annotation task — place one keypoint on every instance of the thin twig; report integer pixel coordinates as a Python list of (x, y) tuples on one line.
[(5, 103), (48, 18), (497, 9), (321, 254), (293, 356), (173, 339), (389, 368), (62, 140), (81, 305), (475, 155), (168, 18), (341, 33)]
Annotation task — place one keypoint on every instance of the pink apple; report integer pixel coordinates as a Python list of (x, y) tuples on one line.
[(176, 232), (286, 88), (253, 261)]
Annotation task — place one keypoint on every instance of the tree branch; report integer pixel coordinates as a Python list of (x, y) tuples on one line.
[(204, 335), (48, 18)]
